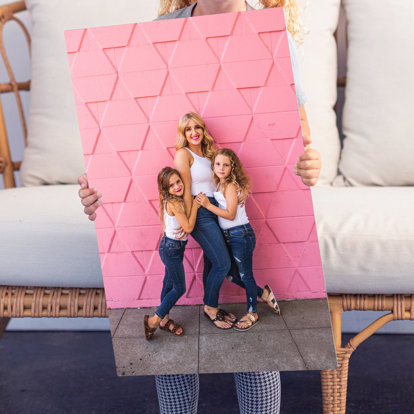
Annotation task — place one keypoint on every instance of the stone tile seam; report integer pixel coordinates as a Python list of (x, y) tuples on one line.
[(119, 322), (296, 345), (198, 338)]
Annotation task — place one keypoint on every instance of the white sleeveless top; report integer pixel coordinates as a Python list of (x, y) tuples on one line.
[(241, 216), (171, 225), (201, 175)]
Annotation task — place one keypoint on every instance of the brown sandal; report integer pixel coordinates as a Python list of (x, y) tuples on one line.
[(149, 332), (174, 330)]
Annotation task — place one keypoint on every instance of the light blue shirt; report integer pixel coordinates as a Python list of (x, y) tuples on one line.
[(300, 93)]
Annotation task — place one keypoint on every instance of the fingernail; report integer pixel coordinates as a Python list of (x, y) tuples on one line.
[(99, 203), (83, 185), (99, 195)]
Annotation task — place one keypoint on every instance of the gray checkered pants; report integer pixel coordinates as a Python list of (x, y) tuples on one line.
[(257, 393)]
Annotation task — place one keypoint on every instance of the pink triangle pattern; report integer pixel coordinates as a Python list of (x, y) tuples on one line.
[(132, 83)]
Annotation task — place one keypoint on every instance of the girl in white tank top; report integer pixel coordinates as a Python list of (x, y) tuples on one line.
[(233, 187), (171, 248)]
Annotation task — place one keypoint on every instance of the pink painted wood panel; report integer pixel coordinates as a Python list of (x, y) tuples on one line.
[(132, 83)]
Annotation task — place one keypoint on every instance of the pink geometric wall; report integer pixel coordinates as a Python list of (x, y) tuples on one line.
[(132, 83)]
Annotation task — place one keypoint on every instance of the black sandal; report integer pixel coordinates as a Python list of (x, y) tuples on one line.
[(228, 314), (221, 317)]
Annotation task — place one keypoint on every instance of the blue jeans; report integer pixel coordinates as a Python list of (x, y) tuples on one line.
[(242, 241), (234, 277), (172, 255), (208, 235)]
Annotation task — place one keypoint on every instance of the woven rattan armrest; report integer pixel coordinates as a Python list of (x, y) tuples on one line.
[(7, 165), (17, 301)]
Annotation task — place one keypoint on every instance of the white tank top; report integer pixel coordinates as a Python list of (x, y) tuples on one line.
[(201, 175), (171, 225), (241, 216)]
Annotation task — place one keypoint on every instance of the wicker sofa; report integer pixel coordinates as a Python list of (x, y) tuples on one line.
[(34, 222)]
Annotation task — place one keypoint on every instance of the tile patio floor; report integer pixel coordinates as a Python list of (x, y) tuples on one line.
[(299, 339)]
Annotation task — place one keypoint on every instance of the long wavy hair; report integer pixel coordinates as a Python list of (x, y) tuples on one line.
[(238, 174), (164, 195), (207, 144), (292, 12)]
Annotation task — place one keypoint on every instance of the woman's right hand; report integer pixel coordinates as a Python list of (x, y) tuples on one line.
[(90, 197)]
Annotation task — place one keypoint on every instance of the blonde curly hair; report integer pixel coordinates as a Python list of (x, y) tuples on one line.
[(238, 174), (292, 12), (207, 144)]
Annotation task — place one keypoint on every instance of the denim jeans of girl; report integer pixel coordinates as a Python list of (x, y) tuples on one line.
[(242, 241), (172, 255), (208, 235), (234, 277)]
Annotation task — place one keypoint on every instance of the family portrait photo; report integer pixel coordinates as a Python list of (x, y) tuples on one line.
[(191, 134)]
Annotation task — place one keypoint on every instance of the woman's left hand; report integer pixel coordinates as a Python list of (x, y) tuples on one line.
[(308, 166)]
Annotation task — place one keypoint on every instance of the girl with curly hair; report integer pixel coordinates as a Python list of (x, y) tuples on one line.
[(233, 184), (171, 249)]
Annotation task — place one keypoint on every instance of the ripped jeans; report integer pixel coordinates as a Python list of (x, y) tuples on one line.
[(241, 241)]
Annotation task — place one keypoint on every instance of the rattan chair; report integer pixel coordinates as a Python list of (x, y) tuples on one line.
[(16, 301), (19, 301)]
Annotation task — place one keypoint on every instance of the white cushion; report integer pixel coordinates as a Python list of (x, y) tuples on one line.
[(54, 153), (378, 119), (366, 238), (46, 240), (319, 73)]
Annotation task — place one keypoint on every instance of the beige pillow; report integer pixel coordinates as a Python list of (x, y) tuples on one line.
[(378, 119), (319, 73), (54, 153)]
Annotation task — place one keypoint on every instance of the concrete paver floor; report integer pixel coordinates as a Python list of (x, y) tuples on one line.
[(299, 339)]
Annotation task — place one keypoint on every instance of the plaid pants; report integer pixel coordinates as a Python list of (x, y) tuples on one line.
[(257, 393)]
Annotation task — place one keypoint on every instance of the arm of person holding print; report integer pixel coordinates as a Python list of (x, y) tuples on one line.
[(231, 200), (309, 163), (308, 166), (186, 223)]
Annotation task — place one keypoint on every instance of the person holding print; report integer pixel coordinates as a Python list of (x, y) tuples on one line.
[(233, 185), (257, 392), (171, 249)]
